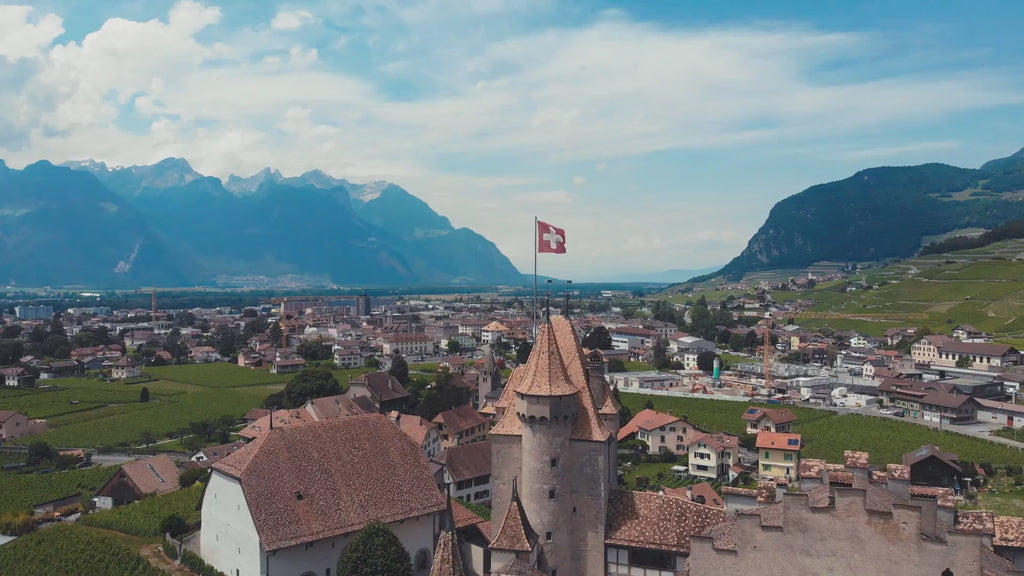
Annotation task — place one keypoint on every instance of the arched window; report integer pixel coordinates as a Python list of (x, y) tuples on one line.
[(422, 560)]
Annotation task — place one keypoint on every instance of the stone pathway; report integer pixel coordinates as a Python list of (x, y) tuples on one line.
[(154, 554)]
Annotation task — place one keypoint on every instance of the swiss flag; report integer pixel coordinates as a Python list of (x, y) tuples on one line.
[(550, 240)]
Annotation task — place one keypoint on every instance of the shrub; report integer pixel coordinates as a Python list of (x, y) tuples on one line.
[(191, 476), (197, 565), (170, 549), (174, 525), (375, 551)]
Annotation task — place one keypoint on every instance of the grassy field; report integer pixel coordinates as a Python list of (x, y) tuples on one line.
[(826, 435), (143, 518), (21, 492), (72, 549), (88, 412)]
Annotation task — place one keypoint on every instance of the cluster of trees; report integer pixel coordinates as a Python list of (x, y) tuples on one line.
[(306, 385), (1008, 231), (45, 340)]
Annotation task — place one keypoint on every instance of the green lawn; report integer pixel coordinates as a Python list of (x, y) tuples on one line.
[(826, 435), (219, 375)]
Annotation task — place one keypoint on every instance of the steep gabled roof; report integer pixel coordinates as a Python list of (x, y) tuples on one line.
[(322, 479), (658, 522), (467, 461), (514, 533), (156, 475), (460, 418), (646, 419), (928, 451)]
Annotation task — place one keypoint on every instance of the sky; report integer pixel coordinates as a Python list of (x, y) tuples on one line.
[(657, 134)]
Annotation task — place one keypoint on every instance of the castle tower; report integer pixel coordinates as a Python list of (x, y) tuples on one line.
[(552, 437), (447, 558), (490, 379)]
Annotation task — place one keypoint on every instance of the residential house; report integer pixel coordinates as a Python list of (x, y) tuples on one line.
[(461, 425), (926, 350), (629, 338), (422, 431), (62, 369), (288, 365), (292, 501), (930, 466), (779, 455), (137, 480), (712, 456), (493, 333), (894, 336), (466, 471), (691, 343), (858, 341), (769, 420), (968, 333), (982, 356), (408, 345), (204, 355), (13, 425), (947, 408), (212, 454), (16, 376), (869, 367), (466, 342), (251, 359), (124, 368), (662, 432), (385, 392), (348, 357)]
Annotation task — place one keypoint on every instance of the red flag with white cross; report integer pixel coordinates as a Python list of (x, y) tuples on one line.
[(550, 240)]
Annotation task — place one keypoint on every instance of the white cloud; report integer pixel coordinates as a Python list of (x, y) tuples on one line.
[(291, 20), (568, 98), (886, 152), (20, 38)]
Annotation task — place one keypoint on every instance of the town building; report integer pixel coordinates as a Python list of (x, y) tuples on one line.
[(13, 425), (930, 466), (408, 345), (981, 356), (124, 368), (288, 365), (42, 312), (644, 380), (660, 431), (291, 501), (212, 454), (779, 455), (493, 333), (466, 472), (16, 377), (769, 420), (385, 392), (461, 425), (422, 431), (713, 455), (137, 480), (348, 357), (926, 349)]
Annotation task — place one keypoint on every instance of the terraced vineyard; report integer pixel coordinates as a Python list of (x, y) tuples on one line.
[(71, 549), (20, 492), (143, 518)]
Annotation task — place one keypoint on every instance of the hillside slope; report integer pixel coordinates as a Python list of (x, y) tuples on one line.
[(882, 213)]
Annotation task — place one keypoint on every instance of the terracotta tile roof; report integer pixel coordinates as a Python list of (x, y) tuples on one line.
[(517, 567), (447, 559), (776, 415), (739, 491), (993, 564), (820, 497), (723, 534), (322, 479), (856, 459), (466, 461), (215, 453), (610, 407), (6, 415), (464, 516), (771, 515), (658, 522), (545, 373), (778, 440), (415, 427), (928, 451), (381, 385), (897, 472), (156, 475), (704, 493), (339, 406), (878, 499), (767, 492), (514, 533), (996, 405), (646, 419), (879, 477), (588, 425), (811, 468), (460, 419), (1009, 531), (841, 477), (281, 418), (944, 496), (976, 522)]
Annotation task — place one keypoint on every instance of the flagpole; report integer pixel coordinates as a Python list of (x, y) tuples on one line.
[(535, 247)]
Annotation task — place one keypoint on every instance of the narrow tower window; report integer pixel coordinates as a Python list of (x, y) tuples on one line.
[(554, 462), (551, 494)]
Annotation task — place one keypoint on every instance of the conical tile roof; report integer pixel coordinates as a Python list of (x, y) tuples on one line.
[(545, 373)]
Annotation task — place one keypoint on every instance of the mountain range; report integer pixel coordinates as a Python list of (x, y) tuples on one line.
[(83, 223), (881, 213)]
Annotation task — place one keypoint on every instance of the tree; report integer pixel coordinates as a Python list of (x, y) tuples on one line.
[(453, 346), (616, 365), (661, 354), (649, 405), (375, 551), (275, 400), (598, 339), (309, 384), (39, 451), (523, 349), (706, 361), (225, 339), (11, 332), (373, 363), (57, 326), (276, 335), (625, 414), (442, 395), (313, 350), (737, 342), (963, 362), (144, 394), (750, 341), (399, 369), (174, 525), (148, 437), (191, 476)]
